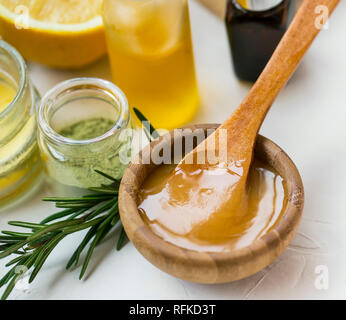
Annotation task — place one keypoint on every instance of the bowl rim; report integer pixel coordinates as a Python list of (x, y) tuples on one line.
[(276, 240)]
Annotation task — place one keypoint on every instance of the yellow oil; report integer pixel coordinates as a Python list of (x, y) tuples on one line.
[(243, 3), (19, 157), (20, 179), (7, 93), (152, 60)]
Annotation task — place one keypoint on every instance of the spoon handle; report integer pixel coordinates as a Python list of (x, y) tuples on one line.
[(252, 111)]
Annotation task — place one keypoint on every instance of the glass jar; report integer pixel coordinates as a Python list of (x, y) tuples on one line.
[(150, 49), (20, 164), (255, 28), (77, 105)]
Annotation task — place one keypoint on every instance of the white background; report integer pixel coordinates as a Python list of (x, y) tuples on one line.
[(307, 121)]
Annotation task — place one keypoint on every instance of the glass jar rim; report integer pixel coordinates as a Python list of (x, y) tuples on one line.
[(21, 67), (51, 134)]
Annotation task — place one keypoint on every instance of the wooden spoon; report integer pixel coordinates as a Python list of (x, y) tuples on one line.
[(243, 125), (231, 146)]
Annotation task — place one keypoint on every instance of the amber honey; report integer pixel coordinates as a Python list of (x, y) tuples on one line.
[(194, 209)]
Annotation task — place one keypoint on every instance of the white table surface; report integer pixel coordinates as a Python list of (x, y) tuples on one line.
[(307, 121)]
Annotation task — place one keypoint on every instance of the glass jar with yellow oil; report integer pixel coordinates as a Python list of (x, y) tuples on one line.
[(19, 156), (151, 55)]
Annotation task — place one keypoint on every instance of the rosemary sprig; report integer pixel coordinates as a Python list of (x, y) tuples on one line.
[(149, 130), (98, 212)]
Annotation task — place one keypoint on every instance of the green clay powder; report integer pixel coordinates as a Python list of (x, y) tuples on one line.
[(87, 129), (77, 169)]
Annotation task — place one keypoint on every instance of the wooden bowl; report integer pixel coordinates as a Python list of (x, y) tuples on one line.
[(211, 267)]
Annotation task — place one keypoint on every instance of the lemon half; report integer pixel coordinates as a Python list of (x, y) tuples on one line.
[(58, 33)]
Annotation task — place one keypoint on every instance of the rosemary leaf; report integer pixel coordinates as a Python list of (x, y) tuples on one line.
[(28, 225), (17, 234), (13, 238), (121, 239), (106, 206), (105, 191), (82, 226), (77, 214), (9, 241), (75, 257), (105, 232), (57, 200), (43, 239), (44, 254), (115, 220), (73, 205), (7, 276), (107, 176), (15, 260), (98, 198), (96, 195), (90, 252), (151, 132), (112, 212), (58, 215)]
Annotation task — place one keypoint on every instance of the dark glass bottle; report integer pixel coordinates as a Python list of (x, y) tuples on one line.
[(255, 32)]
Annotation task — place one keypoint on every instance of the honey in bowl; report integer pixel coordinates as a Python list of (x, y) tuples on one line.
[(196, 210)]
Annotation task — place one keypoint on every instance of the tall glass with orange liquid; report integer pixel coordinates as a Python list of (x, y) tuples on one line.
[(150, 49)]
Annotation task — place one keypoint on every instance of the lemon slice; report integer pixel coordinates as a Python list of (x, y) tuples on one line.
[(58, 33)]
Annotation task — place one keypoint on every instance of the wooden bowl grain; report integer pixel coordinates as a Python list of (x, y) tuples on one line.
[(211, 267)]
